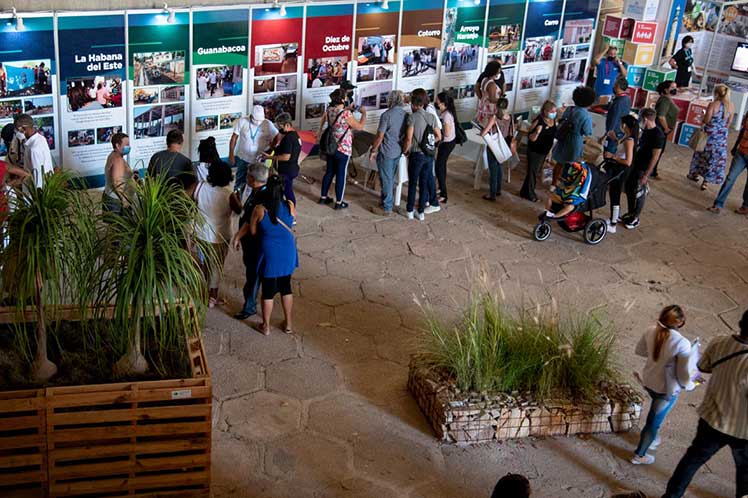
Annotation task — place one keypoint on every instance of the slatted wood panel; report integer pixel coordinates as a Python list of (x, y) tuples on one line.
[(23, 462)]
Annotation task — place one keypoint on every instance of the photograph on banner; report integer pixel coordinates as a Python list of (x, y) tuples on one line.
[(571, 72), (25, 78), (539, 49), (9, 108), (280, 58), (218, 81), (94, 93), (157, 121), (104, 135), (534, 85), (276, 104), (159, 68), (326, 71), (418, 61), (376, 50), (420, 41)]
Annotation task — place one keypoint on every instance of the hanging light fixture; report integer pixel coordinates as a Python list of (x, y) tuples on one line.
[(386, 4), (282, 10), (172, 16), (18, 20)]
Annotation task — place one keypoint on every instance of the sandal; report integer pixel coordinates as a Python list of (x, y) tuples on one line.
[(287, 329), (693, 178), (703, 185), (262, 329), (713, 209)]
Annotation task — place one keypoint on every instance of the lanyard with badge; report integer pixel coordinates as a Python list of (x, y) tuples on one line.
[(253, 136), (606, 81)]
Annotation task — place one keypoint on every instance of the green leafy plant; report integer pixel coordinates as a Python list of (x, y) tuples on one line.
[(491, 349), (50, 234), (148, 272)]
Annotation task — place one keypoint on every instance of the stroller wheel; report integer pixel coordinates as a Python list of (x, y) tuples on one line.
[(542, 231), (595, 231)]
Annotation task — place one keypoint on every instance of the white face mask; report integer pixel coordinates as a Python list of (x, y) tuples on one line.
[(20, 136)]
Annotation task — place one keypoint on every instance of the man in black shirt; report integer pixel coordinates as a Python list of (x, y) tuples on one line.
[(257, 176), (172, 163), (286, 155), (651, 145)]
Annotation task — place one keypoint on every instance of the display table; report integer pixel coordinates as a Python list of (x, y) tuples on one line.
[(401, 175)]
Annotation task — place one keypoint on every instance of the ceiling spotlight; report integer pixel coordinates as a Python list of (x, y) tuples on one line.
[(18, 21), (385, 4), (282, 10), (477, 2), (172, 16)]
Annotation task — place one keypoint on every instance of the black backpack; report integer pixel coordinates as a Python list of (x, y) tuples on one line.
[(564, 128), (428, 140), (328, 144), (460, 136)]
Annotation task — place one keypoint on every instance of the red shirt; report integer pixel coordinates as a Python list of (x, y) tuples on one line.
[(742, 145)]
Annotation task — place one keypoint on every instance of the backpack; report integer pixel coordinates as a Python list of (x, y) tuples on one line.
[(565, 127), (328, 144), (460, 136), (428, 140)]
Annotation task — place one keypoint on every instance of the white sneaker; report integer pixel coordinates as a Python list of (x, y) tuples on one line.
[(410, 215), (645, 460), (611, 227), (655, 444), (421, 216), (432, 209)]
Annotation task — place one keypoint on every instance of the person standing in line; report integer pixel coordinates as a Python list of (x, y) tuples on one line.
[(609, 68), (710, 163), (448, 115), (342, 123), (489, 87), (387, 148), (618, 166), (207, 155), (739, 164), (664, 375), (503, 123), (539, 145), (723, 413), (432, 196), (648, 153), (619, 107), (286, 154), (171, 162), (575, 124), (419, 162), (117, 174), (254, 135), (13, 141), (682, 62), (37, 159), (667, 111), (257, 175)]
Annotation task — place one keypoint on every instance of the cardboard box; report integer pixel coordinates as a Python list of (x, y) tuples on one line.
[(685, 133), (641, 10), (619, 43), (656, 75), (639, 54), (618, 27), (682, 105), (640, 98), (635, 76), (696, 112), (644, 32), (651, 99)]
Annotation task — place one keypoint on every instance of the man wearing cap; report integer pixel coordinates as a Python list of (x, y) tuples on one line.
[(37, 159), (254, 135)]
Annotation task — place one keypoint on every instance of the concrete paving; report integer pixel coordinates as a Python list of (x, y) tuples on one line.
[(324, 413)]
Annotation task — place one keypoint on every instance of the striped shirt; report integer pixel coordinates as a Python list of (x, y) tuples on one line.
[(725, 405)]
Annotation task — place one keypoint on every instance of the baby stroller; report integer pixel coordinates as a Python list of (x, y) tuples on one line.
[(582, 218)]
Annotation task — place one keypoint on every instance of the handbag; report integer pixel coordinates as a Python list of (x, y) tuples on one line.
[(498, 146), (697, 142)]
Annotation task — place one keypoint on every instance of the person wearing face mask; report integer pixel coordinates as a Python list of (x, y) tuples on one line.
[(682, 61), (539, 144), (37, 160), (609, 68), (117, 174), (254, 135), (667, 111), (13, 141), (489, 91)]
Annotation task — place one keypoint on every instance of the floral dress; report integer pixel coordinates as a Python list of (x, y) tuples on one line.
[(711, 162)]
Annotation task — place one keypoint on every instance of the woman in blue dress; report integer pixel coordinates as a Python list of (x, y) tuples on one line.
[(272, 221), (710, 163)]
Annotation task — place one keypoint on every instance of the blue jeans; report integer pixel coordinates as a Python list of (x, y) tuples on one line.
[(739, 164), (387, 168), (494, 170), (337, 166), (251, 258), (241, 174), (417, 178), (431, 197), (658, 410)]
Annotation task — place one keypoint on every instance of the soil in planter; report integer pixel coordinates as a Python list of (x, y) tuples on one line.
[(81, 361)]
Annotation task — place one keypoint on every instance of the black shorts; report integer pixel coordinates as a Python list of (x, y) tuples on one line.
[(272, 286)]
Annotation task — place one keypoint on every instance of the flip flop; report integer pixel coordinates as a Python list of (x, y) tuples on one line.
[(262, 330)]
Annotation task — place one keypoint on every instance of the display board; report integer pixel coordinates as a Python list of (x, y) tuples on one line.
[(578, 29), (464, 39), (276, 60), (536, 71), (327, 56), (504, 27), (159, 72), (219, 75), (93, 86), (28, 75), (375, 62), (420, 43)]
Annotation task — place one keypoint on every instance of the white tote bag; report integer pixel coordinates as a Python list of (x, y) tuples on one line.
[(498, 147)]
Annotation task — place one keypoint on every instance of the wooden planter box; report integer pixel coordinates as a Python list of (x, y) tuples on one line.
[(150, 438), (470, 418)]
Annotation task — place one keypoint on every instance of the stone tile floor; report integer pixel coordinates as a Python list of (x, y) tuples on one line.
[(324, 412)]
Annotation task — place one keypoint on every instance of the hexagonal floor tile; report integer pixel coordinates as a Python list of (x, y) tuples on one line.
[(261, 416), (301, 378), (226, 382), (332, 291)]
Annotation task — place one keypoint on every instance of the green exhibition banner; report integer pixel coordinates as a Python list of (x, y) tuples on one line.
[(158, 69), (503, 35), (220, 61)]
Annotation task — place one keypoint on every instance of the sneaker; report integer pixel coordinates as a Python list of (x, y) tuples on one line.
[(432, 209), (742, 210), (324, 200), (611, 227), (341, 205), (645, 460), (421, 217), (655, 444), (410, 215), (632, 224)]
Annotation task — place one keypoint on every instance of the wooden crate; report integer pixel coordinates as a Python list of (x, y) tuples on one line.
[(23, 457)]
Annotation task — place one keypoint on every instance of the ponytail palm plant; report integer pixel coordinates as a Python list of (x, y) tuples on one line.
[(148, 273), (48, 255)]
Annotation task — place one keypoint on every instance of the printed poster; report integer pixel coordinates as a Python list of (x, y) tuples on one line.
[(376, 58), (576, 48), (159, 65), (536, 70), (92, 89), (464, 39), (328, 48), (420, 41), (505, 22), (28, 75), (219, 72), (276, 60)]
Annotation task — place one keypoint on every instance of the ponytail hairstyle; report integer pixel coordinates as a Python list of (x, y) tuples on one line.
[(275, 197), (449, 103), (633, 125), (671, 317)]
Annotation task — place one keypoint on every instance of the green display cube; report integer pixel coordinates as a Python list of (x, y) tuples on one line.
[(619, 43), (653, 76)]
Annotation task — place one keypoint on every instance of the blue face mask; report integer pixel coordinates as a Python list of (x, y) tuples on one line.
[(125, 150), (551, 115)]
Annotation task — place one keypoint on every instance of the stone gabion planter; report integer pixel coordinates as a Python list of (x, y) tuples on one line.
[(470, 418)]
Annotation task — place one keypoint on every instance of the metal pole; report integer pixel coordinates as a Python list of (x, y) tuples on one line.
[(711, 47)]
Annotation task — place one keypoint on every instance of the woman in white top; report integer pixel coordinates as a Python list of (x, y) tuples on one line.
[(215, 202), (664, 375), (619, 164)]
